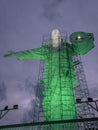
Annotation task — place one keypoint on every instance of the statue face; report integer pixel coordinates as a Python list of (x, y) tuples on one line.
[(56, 38)]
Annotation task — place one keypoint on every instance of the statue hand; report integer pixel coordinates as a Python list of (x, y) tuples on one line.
[(10, 54)]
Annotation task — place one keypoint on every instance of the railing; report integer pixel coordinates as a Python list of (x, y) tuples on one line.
[(76, 124)]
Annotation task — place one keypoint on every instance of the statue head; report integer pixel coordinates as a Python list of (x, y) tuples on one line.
[(56, 38)]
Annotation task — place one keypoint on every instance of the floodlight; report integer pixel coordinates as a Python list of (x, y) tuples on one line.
[(15, 106), (78, 100), (6, 108), (90, 99)]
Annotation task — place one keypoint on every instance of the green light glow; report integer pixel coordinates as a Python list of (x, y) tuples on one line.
[(60, 79), (59, 102)]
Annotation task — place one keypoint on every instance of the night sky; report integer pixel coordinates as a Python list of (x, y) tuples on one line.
[(23, 24)]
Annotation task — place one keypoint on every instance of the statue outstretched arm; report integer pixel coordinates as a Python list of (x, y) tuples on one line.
[(82, 42), (32, 54)]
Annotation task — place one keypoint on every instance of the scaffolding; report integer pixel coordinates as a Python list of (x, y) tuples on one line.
[(56, 95), (62, 85), (82, 91), (74, 69)]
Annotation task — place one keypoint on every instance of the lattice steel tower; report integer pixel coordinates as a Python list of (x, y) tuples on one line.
[(63, 80), (61, 77)]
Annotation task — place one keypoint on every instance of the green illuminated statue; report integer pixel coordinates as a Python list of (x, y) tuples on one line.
[(59, 73)]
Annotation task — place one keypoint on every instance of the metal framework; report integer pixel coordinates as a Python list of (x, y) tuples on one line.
[(56, 125), (69, 97), (62, 92), (4, 111), (83, 110), (81, 90), (92, 103)]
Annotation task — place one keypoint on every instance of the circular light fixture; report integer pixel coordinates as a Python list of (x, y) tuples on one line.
[(79, 37)]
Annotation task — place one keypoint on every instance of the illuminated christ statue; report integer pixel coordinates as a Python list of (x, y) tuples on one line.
[(60, 78)]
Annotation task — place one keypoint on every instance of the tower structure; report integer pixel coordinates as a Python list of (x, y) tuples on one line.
[(80, 91), (61, 76), (84, 110)]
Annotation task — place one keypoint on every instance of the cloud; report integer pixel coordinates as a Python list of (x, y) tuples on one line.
[(50, 9), (21, 93), (34, 104), (3, 95), (28, 114)]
